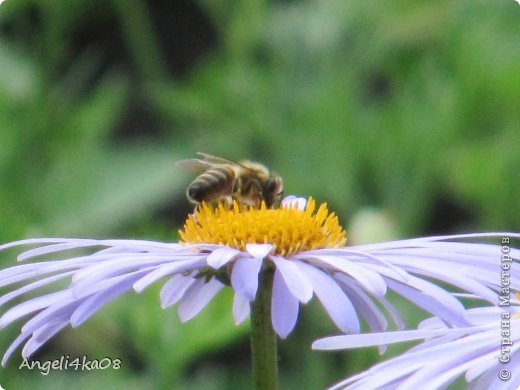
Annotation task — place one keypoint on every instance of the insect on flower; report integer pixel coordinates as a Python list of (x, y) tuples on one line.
[(248, 182)]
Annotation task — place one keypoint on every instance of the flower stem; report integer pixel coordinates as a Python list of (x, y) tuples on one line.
[(263, 338)]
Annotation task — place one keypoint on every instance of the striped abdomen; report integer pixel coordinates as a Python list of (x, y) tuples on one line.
[(213, 184)]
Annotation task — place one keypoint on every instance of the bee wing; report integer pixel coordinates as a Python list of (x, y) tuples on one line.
[(208, 162), (214, 160), (195, 165)]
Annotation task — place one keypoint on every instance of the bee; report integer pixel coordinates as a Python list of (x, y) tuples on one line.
[(247, 182)]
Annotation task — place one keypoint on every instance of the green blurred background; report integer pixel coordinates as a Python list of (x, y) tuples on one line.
[(403, 116)]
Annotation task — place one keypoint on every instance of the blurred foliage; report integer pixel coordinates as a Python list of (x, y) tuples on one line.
[(410, 108)]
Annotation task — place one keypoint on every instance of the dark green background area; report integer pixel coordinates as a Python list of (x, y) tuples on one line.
[(403, 116)]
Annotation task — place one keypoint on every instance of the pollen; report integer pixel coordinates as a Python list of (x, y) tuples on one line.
[(289, 229)]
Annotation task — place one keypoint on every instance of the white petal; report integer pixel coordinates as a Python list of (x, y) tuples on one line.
[(33, 305), (55, 248), (96, 301), (122, 264), (164, 270), (372, 314), (284, 307), (483, 364), (429, 303), (458, 279), (437, 293), (222, 256), (259, 251), (375, 339), (197, 297), (297, 282), (82, 289), (466, 272), (370, 280), (173, 290), (295, 202), (43, 334), (240, 309), (244, 277), (432, 366), (63, 309), (29, 271), (42, 282), (333, 299), (452, 361), (372, 379), (484, 315), (15, 344), (373, 262)]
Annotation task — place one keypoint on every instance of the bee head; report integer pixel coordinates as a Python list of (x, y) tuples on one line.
[(272, 191)]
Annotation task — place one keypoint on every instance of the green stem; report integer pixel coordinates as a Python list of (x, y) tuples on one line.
[(263, 338)]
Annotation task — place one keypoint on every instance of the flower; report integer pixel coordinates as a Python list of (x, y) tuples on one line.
[(222, 245), (488, 352)]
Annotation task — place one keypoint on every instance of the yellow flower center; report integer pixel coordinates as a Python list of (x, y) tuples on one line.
[(287, 228)]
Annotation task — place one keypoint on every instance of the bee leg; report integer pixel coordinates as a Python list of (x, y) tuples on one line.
[(228, 200), (258, 192), (236, 191)]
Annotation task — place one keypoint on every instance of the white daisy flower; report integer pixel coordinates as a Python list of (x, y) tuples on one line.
[(300, 245), (487, 353)]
